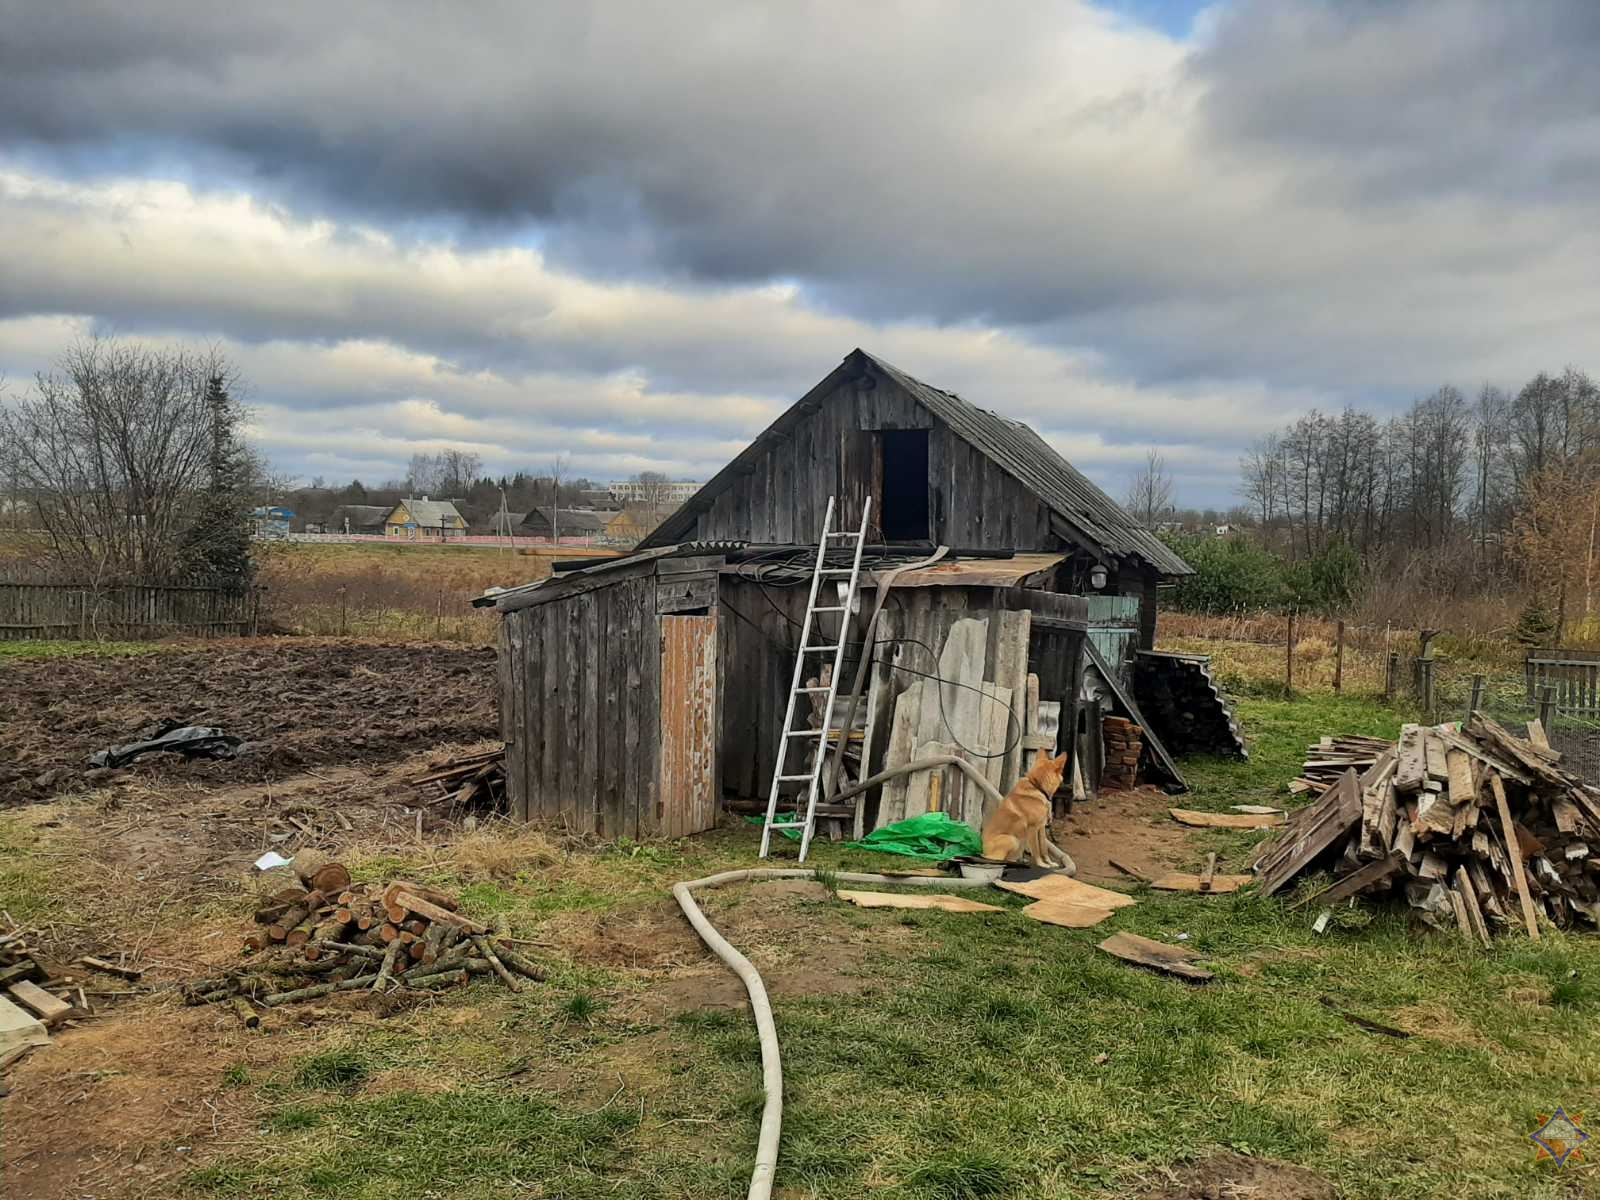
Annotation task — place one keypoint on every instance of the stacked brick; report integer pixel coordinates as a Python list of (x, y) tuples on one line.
[(1123, 742)]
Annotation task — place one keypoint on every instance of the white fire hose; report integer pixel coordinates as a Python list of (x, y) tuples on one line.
[(771, 1066)]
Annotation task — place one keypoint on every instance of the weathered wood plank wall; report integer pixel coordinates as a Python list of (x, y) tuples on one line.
[(782, 498)]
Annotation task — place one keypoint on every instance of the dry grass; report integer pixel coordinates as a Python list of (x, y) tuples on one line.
[(402, 591)]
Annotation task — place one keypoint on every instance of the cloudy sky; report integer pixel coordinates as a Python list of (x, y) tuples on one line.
[(632, 233)]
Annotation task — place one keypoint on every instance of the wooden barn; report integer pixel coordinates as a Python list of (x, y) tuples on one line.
[(642, 695)]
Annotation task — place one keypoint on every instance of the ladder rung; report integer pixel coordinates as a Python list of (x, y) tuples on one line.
[(787, 825), (836, 571), (794, 778), (816, 649), (843, 533), (800, 733), (829, 608), (811, 691)]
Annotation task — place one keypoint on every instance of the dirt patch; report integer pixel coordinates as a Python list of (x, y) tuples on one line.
[(1234, 1177), (145, 1099), (297, 703), (1132, 827)]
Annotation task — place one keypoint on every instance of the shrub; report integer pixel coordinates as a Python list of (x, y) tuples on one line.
[(1230, 575)]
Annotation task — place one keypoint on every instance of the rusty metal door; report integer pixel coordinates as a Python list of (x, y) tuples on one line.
[(687, 801)]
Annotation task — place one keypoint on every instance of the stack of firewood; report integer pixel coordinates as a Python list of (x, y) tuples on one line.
[(474, 782), (331, 936), (1477, 828), (1333, 756), (1124, 743)]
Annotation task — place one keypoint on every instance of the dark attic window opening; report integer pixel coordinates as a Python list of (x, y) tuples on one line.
[(905, 485)]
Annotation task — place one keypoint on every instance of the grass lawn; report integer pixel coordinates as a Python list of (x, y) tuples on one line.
[(35, 648), (970, 1056)]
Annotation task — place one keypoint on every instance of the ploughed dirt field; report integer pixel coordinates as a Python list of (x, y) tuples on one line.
[(296, 704)]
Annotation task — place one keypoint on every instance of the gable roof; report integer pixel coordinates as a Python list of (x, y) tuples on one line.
[(360, 514), (430, 514), (570, 520), (1088, 513)]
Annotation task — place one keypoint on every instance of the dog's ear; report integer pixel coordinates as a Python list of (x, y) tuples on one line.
[(1060, 762), (1041, 758)]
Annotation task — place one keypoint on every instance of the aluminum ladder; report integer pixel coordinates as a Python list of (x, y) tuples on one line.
[(808, 652)]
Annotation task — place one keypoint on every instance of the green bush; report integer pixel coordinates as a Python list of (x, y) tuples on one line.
[(1230, 575)]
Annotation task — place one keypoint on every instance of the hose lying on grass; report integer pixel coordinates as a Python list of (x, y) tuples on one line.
[(771, 1066)]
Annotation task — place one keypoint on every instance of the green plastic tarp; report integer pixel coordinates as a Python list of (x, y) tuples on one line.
[(932, 835)]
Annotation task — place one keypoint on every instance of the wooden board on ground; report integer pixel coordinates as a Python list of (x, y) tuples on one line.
[(1067, 890), (1177, 881), (1211, 820), (52, 1010), (1067, 914), (19, 1028), (898, 900), (1158, 956)]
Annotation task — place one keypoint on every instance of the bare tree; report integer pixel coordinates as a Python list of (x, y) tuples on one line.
[(1150, 495), (560, 468), (116, 452), (654, 492)]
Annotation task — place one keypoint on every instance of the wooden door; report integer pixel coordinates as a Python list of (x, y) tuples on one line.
[(860, 477), (687, 795)]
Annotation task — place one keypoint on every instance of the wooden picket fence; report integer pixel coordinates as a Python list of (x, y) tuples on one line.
[(1574, 674), (41, 606)]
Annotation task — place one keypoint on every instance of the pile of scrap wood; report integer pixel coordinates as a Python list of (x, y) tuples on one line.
[(332, 936), (475, 782), (1477, 828), (1333, 756), (37, 996)]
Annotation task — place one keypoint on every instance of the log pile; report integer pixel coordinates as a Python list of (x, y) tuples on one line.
[(332, 936), (1478, 829), (1124, 743), (468, 782), (1333, 756)]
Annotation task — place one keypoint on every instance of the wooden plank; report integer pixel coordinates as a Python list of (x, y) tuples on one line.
[(1068, 890), (1158, 956), (19, 1029), (1536, 734), (577, 804), (611, 623), (997, 733), (51, 1010), (1310, 831), (1362, 879), (1518, 877), (1220, 885), (589, 650), (1211, 820), (687, 777), (1458, 769), (1066, 914), (941, 901), (908, 707), (1013, 631), (553, 801), (1469, 897), (1412, 767)]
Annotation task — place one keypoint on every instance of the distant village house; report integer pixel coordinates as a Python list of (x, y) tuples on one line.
[(413, 518)]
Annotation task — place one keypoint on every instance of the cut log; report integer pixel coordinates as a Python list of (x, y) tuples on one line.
[(108, 967), (1211, 820), (427, 908)]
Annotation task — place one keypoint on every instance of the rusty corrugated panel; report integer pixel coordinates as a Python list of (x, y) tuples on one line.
[(687, 797)]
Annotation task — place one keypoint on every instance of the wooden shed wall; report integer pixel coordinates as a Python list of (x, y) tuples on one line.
[(580, 709), (971, 502)]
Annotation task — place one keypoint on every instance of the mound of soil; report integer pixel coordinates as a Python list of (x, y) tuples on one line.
[(296, 704), (1234, 1177)]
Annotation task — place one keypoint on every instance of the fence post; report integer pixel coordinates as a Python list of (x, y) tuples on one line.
[(1338, 657), (1477, 695), (438, 613), (1425, 685), (1547, 706), (1391, 676), (344, 601), (1288, 656)]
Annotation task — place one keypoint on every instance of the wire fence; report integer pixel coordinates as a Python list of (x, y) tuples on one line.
[(1438, 674)]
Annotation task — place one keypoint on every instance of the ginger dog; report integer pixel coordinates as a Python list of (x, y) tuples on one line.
[(1020, 826)]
